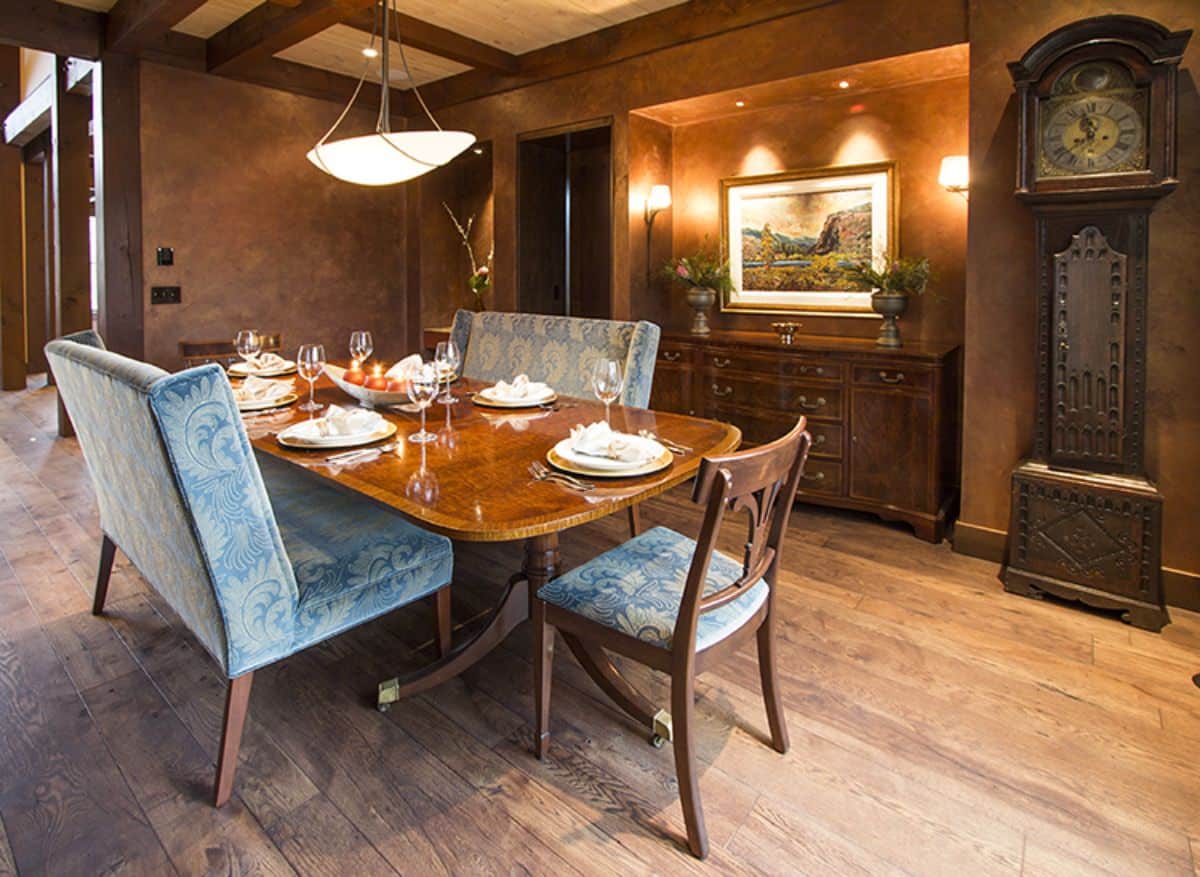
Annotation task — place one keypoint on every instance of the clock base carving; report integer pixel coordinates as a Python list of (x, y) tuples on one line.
[(1087, 537)]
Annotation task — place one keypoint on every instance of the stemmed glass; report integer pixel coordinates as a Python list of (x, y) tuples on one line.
[(447, 357), (248, 344), (361, 345), (607, 382), (310, 362), (422, 387)]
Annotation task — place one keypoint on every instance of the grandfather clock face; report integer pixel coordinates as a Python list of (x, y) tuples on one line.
[(1093, 122)]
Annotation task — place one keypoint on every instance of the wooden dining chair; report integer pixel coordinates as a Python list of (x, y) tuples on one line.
[(679, 606), (222, 352)]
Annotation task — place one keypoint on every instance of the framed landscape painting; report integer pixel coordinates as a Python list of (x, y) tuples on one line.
[(791, 236)]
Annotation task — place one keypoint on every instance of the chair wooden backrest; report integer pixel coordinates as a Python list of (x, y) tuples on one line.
[(762, 482), (221, 352)]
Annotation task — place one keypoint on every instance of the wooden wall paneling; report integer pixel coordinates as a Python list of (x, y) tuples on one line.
[(34, 202), (118, 173), (12, 281), (72, 177)]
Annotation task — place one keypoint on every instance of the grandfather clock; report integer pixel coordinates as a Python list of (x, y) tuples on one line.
[(1097, 127)]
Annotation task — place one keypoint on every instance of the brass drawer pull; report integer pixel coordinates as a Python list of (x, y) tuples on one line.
[(820, 476), (811, 406), (816, 370), (719, 393), (670, 356), (818, 441), (898, 379), (720, 363)]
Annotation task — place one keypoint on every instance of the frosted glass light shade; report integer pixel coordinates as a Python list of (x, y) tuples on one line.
[(383, 159), (660, 197), (953, 174)]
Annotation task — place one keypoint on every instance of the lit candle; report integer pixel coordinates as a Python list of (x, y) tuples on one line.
[(355, 374), (376, 381)]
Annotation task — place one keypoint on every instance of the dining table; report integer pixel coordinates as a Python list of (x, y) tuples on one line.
[(474, 484)]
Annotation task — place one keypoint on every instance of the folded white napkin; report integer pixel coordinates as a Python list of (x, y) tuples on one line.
[(601, 440), (265, 362), (256, 389), (520, 390), (336, 422), (405, 368)]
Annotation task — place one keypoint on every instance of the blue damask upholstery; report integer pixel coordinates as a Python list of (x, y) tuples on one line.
[(636, 589), (557, 350), (180, 492)]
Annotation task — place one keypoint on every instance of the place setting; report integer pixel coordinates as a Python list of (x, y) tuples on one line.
[(597, 451), (255, 361), (256, 394)]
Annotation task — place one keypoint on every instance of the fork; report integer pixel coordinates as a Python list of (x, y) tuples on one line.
[(357, 452), (671, 446), (542, 473)]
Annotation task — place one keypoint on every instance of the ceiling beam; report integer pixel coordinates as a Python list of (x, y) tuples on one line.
[(270, 28), (687, 22), (439, 41), (52, 27), (135, 24)]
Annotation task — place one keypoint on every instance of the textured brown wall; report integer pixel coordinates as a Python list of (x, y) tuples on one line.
[(914, 126), (1000, 315), (261, 237), (832, 35)]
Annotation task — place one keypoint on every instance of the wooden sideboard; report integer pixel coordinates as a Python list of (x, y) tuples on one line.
[(884, 422)]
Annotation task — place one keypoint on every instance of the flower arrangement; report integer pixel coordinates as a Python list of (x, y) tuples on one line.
[(481, 274), (909, 276), (703, 270)]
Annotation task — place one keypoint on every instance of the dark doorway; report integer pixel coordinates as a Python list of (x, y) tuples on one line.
[(564, 213)]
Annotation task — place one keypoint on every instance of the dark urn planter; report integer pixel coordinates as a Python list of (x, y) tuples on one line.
[(891, 305)]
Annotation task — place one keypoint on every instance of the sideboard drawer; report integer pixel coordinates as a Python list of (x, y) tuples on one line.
[(775, 396), (826, 439), (821, 476), (785, 365), (759, 428), (910, 377), (674, 353)]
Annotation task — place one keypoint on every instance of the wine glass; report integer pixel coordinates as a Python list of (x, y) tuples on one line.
[(310, 362), (422, 387), (248, 344), (361, 345), (447, 358), (422, 485), (607, 382)]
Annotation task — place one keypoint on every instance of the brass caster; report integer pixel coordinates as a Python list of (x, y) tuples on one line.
[(383, 707), (663, 731), (657, 741)]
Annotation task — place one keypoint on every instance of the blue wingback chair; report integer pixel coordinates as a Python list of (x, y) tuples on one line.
[(258, 562), (557, 350)]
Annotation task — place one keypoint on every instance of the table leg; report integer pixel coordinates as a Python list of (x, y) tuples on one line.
[(541, 565)]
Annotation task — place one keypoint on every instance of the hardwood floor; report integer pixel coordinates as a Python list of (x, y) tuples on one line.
[(938, 725)]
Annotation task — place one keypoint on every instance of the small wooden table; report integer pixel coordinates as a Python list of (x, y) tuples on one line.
[(474, 485)]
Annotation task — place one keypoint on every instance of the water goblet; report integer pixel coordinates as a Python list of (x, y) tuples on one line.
[(361, 345), (310, 362), (422, 388), (607, 382), (447, 357), (248, 344)]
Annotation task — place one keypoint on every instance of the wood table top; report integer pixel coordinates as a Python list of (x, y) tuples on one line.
[(477, 486)]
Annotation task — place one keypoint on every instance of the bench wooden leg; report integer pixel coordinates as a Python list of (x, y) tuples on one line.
[(444, 622), (237, 701), (108, 551), (635, 521)]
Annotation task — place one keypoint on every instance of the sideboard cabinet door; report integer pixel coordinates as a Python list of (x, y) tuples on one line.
[(891, 448)]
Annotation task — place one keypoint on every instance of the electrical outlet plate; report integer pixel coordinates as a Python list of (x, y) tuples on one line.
[(165, 295)]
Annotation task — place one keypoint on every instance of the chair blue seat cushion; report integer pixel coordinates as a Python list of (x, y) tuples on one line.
[(352, 560), (636, 587)]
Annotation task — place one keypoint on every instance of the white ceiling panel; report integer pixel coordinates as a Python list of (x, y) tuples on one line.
[(215, 15)]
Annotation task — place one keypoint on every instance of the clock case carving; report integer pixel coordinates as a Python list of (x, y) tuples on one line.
[(1086, 521)]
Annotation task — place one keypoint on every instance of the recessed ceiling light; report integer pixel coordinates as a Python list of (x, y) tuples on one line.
[(845, 83), (478, 150), (370, 52), (739, 103)]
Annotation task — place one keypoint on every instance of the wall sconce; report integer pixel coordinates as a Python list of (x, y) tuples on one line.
[(954, 175), (657, 201)]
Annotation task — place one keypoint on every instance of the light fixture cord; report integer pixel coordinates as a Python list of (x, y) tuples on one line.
[(412, 82), (357, 88)]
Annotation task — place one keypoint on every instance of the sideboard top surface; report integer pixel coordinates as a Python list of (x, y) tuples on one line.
[(832, 344)]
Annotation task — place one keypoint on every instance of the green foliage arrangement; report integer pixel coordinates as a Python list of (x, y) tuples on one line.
[(903, 275), (704, 270)]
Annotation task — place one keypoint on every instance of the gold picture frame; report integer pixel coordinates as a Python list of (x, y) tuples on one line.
[(826, 218)]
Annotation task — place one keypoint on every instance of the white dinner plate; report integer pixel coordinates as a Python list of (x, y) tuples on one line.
[(484, 397), (267, 404), (561, 456), (243, 370), (338, 441)]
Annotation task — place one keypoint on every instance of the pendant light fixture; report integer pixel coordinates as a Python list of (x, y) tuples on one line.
[(386, 157)]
